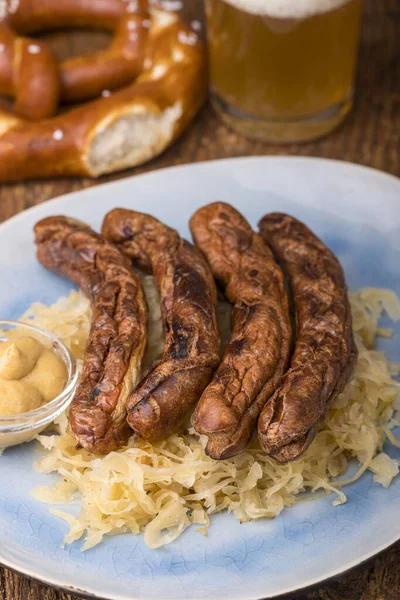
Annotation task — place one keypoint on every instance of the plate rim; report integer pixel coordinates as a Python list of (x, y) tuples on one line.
[(259, 157), (57, 584), (87, 595)]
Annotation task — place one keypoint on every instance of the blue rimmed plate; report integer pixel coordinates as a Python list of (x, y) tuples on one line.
[(357, 212)]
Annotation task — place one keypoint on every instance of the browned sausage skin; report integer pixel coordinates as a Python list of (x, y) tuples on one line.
[(258, 352), (188, 300), (118, 334), (325, 350)]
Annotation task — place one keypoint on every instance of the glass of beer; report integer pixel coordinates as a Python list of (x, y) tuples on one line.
[(283, 70)]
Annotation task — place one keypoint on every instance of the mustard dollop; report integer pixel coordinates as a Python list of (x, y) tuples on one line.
[(31, 375)]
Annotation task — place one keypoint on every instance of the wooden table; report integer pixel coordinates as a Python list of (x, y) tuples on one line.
[(370, 136)]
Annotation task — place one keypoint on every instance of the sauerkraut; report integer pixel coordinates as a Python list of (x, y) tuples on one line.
[(164, 488)]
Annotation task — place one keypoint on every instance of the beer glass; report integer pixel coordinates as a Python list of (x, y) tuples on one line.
[(283, 70)]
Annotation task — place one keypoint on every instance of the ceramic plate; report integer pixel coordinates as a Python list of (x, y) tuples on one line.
[(356, 211)]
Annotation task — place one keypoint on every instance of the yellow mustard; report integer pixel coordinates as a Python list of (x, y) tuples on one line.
[(31, 375)]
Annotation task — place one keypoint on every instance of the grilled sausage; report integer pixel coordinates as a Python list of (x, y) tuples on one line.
[(257, 355), (118, 333), (188, 301), (325, 351)]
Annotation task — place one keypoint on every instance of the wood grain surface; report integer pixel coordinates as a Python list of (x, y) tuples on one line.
[(369, 136)]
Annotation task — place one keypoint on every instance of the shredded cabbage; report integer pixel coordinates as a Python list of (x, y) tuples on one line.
[(163, 488)]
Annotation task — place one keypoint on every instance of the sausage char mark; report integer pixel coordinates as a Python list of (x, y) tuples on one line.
[(258, 353), (325, 350), (118, 333), (188, 301)]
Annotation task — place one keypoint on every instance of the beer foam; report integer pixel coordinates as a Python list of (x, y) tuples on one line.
[(287, 9)]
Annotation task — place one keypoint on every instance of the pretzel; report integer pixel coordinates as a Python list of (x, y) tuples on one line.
[(29, 73), (153, 50), (82, 77)]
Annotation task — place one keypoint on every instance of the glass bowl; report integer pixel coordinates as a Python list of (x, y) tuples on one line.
[(17, 429)]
